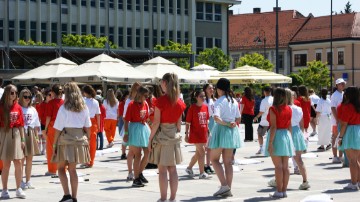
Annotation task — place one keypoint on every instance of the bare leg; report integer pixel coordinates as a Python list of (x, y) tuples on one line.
[(63, 178), (137, 152), (200, 152), (357, 152), (129, 161), (5, 174), (123, 149), (353, 165), (73, 179), (193, 160), (208, 152), (28, 167), (174, 181), (163, 182), (144, 160), (215, 157), (286, 172), (261, 140), (18, 172), (227, 156), (279, 176), (301, 165)]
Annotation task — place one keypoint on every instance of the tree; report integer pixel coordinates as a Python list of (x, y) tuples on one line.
[(179, 48), (297, 80), (347, 8), (214, 57), (255, 60), (316, 75)]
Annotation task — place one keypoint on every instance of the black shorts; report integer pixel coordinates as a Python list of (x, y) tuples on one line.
[(313, 112)]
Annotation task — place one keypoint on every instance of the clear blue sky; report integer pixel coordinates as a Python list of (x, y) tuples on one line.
[(316, 7)]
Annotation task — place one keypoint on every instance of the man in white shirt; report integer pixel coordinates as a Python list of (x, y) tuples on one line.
[(1, 89), (265, 105), (336, 99), (314, 101)]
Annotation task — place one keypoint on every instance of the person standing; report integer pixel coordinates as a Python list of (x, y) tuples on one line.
[(336, 99), (12, 139), (305, 102), (51, 111), (247, 113), (225, 136), (100, 134), (40, 106), (122, 101), (111, 105), (71, 145), (349, 137), (323, 114), (166, 151), (314, 102), (210, 102)]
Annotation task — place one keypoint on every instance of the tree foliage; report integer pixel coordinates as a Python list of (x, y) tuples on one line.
[(297, 80), (30, 42), (178, 48), (214, 57), (255, 60), (316, 75), (347, 8)]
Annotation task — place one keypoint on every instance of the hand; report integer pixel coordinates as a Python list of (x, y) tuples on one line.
[(126, 137), (270, 149), (149, 146), (255, 119), (339, 142), (23, 145), (232, 125), (187, 138)]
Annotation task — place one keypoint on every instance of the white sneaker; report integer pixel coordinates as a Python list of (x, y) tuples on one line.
[(277, 194), (29, 185), (5, 194), (111, 144), (20, 193), (204, 176), (336, 160), (222, 190), (23, 185), (351, 186), (130, 177), (272, 183), (189, 172), (259, 152), (304, 186)]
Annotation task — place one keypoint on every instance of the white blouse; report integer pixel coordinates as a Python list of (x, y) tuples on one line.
[(93, 106), (111, 112), (297, 115), (69, 119), (226, 110), (265, 105), (324, 106), (211, 106), (31, 117), (127, 102)]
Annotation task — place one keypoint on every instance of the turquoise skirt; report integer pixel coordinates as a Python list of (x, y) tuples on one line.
[(211, 123), (282, 144), (298, 139), (351, 138), (225, 137), (138, 135)]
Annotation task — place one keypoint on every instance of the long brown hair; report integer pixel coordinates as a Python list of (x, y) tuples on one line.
[(279, 98), (140, 92), (304, 93), (21, 97), (4, 102), (110, 97), (73, 99), (89, 90), (172, 86), (134, 89)]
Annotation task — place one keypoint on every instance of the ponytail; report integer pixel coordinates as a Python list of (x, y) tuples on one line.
[(194, 95), (227, 95), (173, 88)]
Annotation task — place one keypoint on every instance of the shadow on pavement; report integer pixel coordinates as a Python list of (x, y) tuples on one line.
[(342, 181), (113, 181), (333, 168), (324, 164), (338, 191), (256, 157), (255, 199), (267, 169), (117, 188), (269, 175), (204, 198)]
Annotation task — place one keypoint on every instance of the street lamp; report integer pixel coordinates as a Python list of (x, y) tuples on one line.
[(277, 36), (261, 40), (331, 45)]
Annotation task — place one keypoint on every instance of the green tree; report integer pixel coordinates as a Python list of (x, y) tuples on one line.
[(178, 48), (347, 8), (255, 60), (316, 75), (297, 80), (214, 57)]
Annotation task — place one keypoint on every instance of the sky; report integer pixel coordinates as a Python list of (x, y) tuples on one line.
[(316, 7)]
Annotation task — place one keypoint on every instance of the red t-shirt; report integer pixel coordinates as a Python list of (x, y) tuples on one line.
[(283, 117), (102, 117), (52, 108), (198, 118), (170, 113), (347, 113), (40, 108), (16, 116), (297, 103), (248, 106), (121, 108), (151, 102), (306, 107), (137, 112)]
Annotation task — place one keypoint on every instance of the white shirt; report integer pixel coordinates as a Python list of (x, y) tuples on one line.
[(211, 106), (314, 99), (297, 115), (265, 105), (69, 119), (324, 107), (126, 106), (31, 117), (226, 110), (111, 112), (93, 106), (1, 92), (336, 99)]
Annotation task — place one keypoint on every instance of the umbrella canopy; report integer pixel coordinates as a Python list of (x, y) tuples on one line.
[(248, 74), (204, 67), (205, 71), (159, 66), (48, 70), (104, 68)]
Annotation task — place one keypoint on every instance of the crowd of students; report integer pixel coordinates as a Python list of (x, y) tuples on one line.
[(68, 122)]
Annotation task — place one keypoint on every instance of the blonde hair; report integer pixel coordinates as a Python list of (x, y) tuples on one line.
[(134, 89), (73, 98), (39, 96), (4, 102), (110, 97), (172, 86), (289, 96), (21, 97)]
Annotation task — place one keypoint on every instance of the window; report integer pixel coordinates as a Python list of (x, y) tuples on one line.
[(171, 6), (171, 35), (154, 6), (11, 30), (318, 56), (83, 3), (22, 30), (218, 12), (218, 43), (102, 3), (74, 2), (281, 60), (162, 6), (83, 30), (137, 38), (146, 5), (120, 37), (53, 32), (138, 5), (111, 3), (102, 31), (54, 1), (199, 44), (146, 38), (93, 30), (186, 37), (178, 7), (209, 43), (44, 1), (129, 37), (93, 3), (329, 58), (111, 34), (129, 7), (209, 11), (341, 57), (74, 29), (178, 37), (120, 5), (199, 10), (33, 30), (43, 31), (155, 37), (33, 0), (186, 10), (1, 30), (64, 11), (162, 37), (64, 2), (300, 60), (63, 29)]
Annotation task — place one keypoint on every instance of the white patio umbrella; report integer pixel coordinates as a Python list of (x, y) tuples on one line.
[(43, 73), (159, 66), (104, 68), (205, 71)]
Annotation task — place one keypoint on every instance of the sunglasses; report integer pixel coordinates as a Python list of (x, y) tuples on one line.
[(27, 97), (49, 94), (13, 93)]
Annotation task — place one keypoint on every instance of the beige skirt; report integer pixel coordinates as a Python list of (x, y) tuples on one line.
[(31, 145), (10, 145), (72, 147), (166, 149)]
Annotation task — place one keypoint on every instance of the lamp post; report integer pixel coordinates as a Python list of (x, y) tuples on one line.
[(277, 36), (261, 40), (331, 46)]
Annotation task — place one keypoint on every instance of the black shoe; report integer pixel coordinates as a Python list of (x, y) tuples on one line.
[(66, 198), (151, 166), (207, 170), (143, 179), (328, 147), (320, 148), (123, 157), (74, 199), (137, 183), (211, 170)]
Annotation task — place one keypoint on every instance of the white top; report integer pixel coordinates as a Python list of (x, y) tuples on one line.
[(297, 115), (211, 106), (336, 99), (314, 99), (126, 106), (31, 117), (1, 92), (93, 106), (111, 112), (226, 110), (324, 107), (69, 119), (265, 105)]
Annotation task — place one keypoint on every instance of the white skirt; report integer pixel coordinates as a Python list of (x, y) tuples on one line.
[(325, 127)]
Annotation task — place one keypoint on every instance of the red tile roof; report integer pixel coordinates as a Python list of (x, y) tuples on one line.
[(318, 29), (244, 28)]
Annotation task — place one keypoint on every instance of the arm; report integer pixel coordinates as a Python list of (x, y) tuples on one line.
[(57, 133), (334, 113), (87, 130), (155, 125), (187, 132), (343, 126), (272, 131), (301, 124), (22, 137), (258, 116), (126, 131), (221, 122), (317, 117), (48, 118), (178, 125)]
